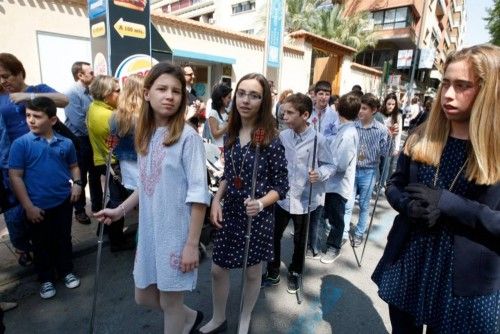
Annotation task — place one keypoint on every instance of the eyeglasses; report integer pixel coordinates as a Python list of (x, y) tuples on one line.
[(189, 74), (252, 96)]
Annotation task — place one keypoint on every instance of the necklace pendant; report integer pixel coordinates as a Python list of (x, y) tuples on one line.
[(238, 182)]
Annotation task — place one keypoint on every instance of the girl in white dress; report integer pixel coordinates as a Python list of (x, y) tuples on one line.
[(172, 197)]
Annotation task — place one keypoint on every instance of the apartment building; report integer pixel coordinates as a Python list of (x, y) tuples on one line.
[(438, 25), (245, 16)]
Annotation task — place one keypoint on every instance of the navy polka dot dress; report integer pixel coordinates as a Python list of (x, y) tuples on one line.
[(420, 282), (229, 241)]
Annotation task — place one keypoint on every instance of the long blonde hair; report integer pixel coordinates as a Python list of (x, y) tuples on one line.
[(146, 125), (129, 104), (427, 143)]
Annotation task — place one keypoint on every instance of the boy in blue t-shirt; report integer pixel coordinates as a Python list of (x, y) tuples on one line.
[(41, 164)]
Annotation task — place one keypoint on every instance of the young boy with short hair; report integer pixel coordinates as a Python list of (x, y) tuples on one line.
[(340, 185), (298, 141), (41, 164), (373, 143), (327, 118)]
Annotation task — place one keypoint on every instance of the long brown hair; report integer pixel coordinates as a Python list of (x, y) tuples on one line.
[(264, 118), (395, 112), (146, 125), (426, 144), (129, 104)]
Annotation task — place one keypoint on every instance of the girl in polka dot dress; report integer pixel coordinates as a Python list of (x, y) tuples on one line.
[(231, 206), (441, 265)]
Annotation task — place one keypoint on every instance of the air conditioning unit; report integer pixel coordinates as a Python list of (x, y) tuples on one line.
[(211, 20)]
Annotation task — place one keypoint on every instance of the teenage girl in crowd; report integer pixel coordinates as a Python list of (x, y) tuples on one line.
[(251, 109), (218, 117), (170, 156), (123, 123), (391, 116), (441, 265)]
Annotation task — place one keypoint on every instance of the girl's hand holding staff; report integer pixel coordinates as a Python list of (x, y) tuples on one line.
[(314, 176), (253, 206), (107, 216)]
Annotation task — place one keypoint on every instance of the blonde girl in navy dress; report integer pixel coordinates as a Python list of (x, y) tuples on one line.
[(170, 156), (251, 109), (441, 265)]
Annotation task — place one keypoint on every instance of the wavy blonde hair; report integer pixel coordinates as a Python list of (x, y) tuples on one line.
[(129, 104), (427, 143), (146, 125)]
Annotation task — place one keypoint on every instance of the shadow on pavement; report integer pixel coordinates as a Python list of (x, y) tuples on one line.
[(348, 309)]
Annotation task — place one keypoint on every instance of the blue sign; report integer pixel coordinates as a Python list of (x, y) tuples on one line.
[(96, 8), (275, 33)]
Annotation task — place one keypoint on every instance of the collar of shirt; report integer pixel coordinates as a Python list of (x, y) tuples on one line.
[(299, 137), (102, 104), (360, 125), (55, 138)]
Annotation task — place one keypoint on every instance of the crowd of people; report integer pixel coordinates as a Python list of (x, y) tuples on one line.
[(307, 158)]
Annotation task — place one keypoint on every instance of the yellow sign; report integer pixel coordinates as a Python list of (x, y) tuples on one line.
[(129, 29), (98, 29)]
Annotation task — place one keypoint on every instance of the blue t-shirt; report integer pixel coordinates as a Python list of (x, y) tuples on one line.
[(14, 114), (45, 166)]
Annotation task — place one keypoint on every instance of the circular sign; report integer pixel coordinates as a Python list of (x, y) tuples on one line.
[(135, 64)]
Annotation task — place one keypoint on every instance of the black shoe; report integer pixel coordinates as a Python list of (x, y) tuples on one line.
[(197, 322), (293, 282), (82, 218), (356, 240), (122, 246), (331, 255), (221, 329), (269, 280)]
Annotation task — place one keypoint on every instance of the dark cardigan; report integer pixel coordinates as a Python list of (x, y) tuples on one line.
[(473, 220)]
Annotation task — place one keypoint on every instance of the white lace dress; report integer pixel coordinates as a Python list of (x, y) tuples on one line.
[(171, 178)]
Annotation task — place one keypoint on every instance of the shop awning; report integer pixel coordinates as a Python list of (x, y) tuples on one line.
[(203, 56)]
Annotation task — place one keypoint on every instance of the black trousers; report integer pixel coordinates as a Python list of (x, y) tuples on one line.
[(86, 165), (404, 323), (2, 327), (52, 242), (334, 212), (281, 219)]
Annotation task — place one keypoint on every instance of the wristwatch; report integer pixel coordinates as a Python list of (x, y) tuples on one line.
[(78, 182)]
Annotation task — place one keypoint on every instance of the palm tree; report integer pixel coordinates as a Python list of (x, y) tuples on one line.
[(353, 31)]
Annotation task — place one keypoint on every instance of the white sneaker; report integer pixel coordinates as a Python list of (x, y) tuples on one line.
[(47, 290), (71, 281)]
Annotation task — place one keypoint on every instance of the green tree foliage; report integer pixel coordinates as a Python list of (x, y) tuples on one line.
[(329, 22), (493, 22)]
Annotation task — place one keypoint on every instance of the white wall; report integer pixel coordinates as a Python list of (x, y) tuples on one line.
[(21, 20), (370, 83)]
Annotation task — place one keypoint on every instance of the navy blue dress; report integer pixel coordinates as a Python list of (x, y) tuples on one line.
[(229, 241), (420, 281)]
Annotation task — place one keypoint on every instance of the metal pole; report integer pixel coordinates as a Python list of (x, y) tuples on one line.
[(101, 233), (258, 138), (300, 291), (417, 51)]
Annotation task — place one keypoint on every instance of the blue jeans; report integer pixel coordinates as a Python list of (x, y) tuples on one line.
[(363, 185), (18, 230)]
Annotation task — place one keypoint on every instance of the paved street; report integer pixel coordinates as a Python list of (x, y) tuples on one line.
[(339, 298)]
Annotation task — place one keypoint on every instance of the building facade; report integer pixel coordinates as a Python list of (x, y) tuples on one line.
[(433, 27)]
